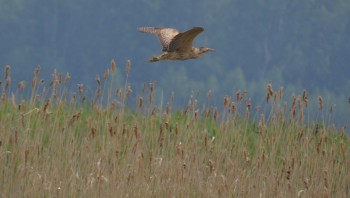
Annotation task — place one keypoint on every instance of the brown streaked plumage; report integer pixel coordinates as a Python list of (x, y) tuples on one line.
[(176, 45)]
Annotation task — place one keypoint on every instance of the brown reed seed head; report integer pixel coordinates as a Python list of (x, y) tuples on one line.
[(60, 78), (299, 102), (67, 78), (293, 112), (151, 86), (226, 101), (128, 67), (248, 103), (140, 102), (37, 71), (8, 82), (150, 98), (206, 141), (195, 102), (46, 105), (343, 131), (106, 74), (262, 120), (216, 113), (262, 124), (98, 80), (269, 89), (35, 78), (83, 99), (263, 155), (176, 129), (247, 113), (54, 93), (343, 148), (41, 82), (98, 91), (280, 93), (211, 166), (325, 178), (207, 113), (172, 96), (267, 97), (136, 133), (304, 94), (233, 107), (244, 94), (3, 98), (54, 76), (26, 154), (189, 103), (93, 131), (22, 106), (113, 66), (293, 102), (306, 102), (196, 114), (246, 157), (144, 87), (7, 71), (301, 115), (160, 137), (305, 98), (80, 89), (331, 109), (320, 102), (128, 90), (118, 92), (168, 108), (209, 94), (238, 97)]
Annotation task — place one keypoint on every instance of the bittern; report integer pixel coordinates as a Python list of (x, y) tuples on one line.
[(176, 45)]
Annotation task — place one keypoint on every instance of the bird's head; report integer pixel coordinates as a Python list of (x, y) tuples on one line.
[(204, 50)]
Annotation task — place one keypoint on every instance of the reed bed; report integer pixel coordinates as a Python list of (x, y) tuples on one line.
[(61, 142)]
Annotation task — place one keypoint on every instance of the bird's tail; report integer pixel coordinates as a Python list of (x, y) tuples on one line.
[(150, 30)]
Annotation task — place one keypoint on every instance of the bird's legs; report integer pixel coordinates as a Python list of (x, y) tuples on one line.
[(158, 58)]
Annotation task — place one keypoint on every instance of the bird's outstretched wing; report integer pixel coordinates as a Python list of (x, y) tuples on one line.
[(165, 35), (183, 41)]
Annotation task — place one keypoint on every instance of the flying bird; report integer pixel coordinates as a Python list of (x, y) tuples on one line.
[(176, 45)]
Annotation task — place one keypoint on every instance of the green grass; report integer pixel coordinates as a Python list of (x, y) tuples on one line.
[(76, 149)]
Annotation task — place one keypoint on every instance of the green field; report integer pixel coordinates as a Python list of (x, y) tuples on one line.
[(60, 142)]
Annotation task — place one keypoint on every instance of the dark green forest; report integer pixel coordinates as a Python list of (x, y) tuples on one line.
[(297, 45)]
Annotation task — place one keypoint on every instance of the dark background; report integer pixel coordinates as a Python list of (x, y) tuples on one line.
[(301, 44)]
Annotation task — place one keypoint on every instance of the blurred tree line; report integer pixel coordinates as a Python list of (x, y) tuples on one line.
[(295, 44)]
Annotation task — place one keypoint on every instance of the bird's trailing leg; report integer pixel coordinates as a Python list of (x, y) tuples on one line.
[(163, 56)]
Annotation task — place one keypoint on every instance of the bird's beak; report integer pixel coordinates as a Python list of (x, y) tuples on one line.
[(210, 50)]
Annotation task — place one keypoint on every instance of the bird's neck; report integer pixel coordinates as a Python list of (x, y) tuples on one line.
[(195, 50)]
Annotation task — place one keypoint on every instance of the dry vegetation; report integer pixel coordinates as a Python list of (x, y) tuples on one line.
[(57, 143)]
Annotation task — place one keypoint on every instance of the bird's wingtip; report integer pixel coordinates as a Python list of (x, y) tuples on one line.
[(140, 29), (199, 28), (151, 30)]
